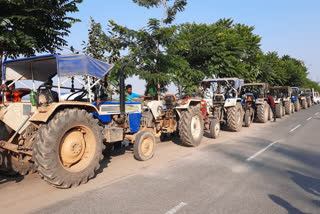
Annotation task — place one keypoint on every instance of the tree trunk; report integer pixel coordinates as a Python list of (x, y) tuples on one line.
[(157, 52)]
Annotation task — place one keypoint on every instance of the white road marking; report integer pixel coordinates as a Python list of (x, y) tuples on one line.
[(316, 113), (176, 208), (295, 128), (262, 150), (309, 118)]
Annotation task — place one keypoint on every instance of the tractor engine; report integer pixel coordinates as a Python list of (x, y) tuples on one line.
[(168, 115)]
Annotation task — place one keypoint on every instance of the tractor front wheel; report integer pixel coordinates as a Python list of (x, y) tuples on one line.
[(297, 105), (215, 128), (143, 147), (248, 118)]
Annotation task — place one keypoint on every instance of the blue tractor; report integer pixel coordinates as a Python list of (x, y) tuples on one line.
[(295, 98), (62, 136)]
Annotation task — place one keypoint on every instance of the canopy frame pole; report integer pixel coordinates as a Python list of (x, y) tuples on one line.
[(89, 89), (64, 81), (33, 84), (80, 81), (95, 83), (58, 78)]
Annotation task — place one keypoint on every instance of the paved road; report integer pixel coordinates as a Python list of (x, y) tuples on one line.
[(267, 168)]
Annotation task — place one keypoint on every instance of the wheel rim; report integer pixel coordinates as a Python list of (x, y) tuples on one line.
[(147, 146), (195, 126), (77, 148)]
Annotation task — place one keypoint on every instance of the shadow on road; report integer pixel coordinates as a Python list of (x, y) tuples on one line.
[(6, 179), (286, 205), (308, 184)]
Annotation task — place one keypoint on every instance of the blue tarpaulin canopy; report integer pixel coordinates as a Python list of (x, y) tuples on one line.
[(41, 67)]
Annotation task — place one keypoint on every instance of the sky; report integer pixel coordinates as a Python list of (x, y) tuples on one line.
[(287, 26)]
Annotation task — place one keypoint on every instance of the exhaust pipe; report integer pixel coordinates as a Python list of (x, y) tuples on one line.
[(122, 94), (122, 117)]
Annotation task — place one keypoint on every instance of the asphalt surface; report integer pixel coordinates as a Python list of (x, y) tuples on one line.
[(267, 168)]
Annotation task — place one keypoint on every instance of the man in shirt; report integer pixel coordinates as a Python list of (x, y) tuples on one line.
[(130, 96), (12, 93), (270, 100)]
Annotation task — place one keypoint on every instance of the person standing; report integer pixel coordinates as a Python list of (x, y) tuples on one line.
[(270, 101)]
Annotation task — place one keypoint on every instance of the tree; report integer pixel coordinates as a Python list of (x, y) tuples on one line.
[(145, 45), (95, 45), (221, 49), (30, 26)]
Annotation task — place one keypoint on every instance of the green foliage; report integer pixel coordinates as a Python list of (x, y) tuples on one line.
[(171, 11), (30, 26), (94, 46), (221, 49)]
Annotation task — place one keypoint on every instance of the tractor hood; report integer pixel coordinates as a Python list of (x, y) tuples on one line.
[(40, 68)]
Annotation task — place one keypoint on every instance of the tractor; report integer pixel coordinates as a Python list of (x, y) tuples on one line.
[(295, 98), (309, 96), (282, 95), (254, 103), (303, 98), (316, 97), (277, 94), (64, 139), (223, 104)]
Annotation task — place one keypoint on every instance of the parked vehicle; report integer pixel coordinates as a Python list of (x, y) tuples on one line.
[(64, 141), (254, 102), (309, 96), (316, 97), (282, 96), (295, 98), (303, 98), (224, 104)]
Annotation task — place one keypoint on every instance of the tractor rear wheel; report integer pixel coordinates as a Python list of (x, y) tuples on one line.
[(309, 102), (191, 126), (68, 150), (279, 110), (143, 147), (304, 104), (297, 105), (215, 128), (288, 107), (235, 118), (263, 112)]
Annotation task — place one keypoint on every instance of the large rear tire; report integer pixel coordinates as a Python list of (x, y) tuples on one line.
[(263, 112), (304, 104), (143, 146), (309, 102), (215, 128), (235, 118), (288, 107), (191, 126), (279, 110), (68, 150)]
